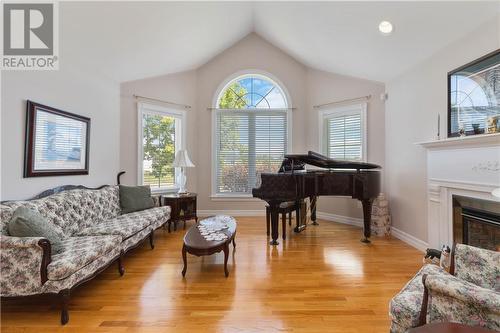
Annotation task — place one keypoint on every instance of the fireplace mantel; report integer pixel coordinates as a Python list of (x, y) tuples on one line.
[(463, 142), (469, 167)]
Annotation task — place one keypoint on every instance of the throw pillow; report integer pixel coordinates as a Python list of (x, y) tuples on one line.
[(27, 222), (135, 198)]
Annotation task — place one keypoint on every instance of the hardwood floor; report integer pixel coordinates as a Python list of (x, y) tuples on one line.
[(322, 280)]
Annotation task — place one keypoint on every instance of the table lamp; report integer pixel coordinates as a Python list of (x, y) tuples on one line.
[(182, 161)]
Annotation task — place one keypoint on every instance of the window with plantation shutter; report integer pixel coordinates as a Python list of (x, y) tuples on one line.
[(251, 134), (343, 132), (160, 137)]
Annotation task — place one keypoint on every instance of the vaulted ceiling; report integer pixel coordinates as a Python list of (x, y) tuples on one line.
[(132, 40)]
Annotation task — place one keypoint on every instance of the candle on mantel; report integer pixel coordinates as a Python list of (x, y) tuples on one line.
[(439, 127)]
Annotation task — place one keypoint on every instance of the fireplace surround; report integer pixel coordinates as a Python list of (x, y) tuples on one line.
[(458, 167)]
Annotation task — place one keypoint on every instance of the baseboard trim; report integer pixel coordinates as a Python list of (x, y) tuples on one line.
[(210, 212), (340, 219), (409, 239), (399, 234)]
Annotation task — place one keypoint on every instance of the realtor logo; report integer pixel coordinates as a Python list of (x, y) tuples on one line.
[(29, 36)]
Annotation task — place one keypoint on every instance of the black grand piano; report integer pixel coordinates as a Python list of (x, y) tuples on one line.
[(293, 183)]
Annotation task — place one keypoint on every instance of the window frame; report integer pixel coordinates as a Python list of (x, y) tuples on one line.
[(339, 111), (180, 139), (215, 196), (215, 148)]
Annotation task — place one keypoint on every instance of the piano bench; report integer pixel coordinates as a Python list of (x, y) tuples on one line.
[(285, 208)]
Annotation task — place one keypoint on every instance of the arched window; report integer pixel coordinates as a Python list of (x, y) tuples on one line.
[(250, 131), (251, 91)]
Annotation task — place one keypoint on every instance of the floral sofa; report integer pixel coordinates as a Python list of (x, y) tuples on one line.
[(468, 294), (95, 235)]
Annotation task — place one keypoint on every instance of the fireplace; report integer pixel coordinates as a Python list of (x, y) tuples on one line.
[(476, 222), (460, 167)]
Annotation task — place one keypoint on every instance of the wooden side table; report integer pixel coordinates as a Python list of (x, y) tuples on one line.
[(448, 328), (183, 207)]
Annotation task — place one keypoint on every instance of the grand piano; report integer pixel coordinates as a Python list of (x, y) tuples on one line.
[(336, 177)]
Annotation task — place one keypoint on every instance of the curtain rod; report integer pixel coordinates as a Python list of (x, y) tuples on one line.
[(365, 98), (275, 109), (185, 106)]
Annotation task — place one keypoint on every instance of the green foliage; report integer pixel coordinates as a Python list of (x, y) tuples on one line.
[(233, 97), (159, 145), (229, 136)]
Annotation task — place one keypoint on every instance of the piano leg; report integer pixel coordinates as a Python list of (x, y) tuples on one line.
[(274, 210), (300, 214), (367, 217), (268, 221), (313, 200)]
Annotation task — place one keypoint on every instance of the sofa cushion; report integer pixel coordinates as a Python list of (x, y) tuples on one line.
[(26, 222), (404, 308), (77, 252), (126, 225), (478, 266), (153, 215), (135, 198), (123, 226)]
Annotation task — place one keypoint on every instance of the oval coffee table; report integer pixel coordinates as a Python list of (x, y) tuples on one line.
[(196, 244)]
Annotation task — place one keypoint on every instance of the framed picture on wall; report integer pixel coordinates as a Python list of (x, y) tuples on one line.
[(474, 97), (57, 142)]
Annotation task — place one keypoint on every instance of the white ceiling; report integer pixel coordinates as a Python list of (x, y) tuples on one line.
[(133, 40)]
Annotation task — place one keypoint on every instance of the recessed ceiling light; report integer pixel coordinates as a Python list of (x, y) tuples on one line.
[(385, 27)]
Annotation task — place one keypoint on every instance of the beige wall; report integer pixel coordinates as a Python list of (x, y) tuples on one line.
[(179, 88), (415, 100), (305, 88), (324, 87), (70, 89)]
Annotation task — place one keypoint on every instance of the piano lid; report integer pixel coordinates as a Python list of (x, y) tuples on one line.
[(322, 161)]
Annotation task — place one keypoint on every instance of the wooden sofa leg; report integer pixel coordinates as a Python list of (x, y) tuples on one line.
[(64, 295), (152, 240), (121, 269)]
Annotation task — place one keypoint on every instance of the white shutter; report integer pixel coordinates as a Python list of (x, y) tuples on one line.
[(248, 142), (344, 133)]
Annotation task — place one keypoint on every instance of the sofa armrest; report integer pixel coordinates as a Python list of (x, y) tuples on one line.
[(23, 262), (448, 298)]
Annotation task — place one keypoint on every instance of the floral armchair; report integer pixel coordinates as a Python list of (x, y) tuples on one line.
[(468, 294), (471, 296)]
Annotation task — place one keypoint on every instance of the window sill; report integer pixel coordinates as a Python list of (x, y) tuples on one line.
[(164, 190), (233, 197)]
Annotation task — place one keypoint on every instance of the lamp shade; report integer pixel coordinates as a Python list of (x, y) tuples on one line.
[(182, 159)]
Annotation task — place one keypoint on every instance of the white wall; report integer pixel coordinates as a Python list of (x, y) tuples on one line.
[(415, 100), (71, 90)]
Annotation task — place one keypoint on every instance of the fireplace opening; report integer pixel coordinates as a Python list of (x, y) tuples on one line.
[(476, 222)]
